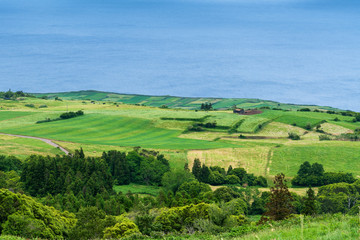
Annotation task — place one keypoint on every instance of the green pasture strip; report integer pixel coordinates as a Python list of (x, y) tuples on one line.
[(334, 156), (113, 130), (6, 115), (251, 124), (350, 125), (301, 119), (137, 189)]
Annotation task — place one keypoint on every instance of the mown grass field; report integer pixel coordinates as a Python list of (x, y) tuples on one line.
[(110, 125), (113, 130)]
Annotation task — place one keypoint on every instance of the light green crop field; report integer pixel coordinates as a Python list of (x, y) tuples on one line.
[(109, 124)]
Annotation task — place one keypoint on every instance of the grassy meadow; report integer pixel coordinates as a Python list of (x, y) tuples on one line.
[(109, 123)]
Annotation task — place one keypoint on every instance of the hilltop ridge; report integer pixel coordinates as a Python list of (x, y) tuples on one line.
[(176, 101)]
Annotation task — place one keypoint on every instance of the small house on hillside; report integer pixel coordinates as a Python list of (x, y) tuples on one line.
[(239, 111)]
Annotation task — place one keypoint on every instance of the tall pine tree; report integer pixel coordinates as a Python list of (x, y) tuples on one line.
[(280, 205)]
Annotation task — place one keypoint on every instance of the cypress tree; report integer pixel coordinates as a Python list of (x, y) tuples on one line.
[(196, 169), (310, 207)]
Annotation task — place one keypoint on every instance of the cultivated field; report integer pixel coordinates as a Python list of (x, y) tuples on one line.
[(264, 148)]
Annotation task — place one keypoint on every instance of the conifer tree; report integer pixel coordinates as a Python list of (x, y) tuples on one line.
[(280, 205), (186, 167), (310, 207), (196, 169)]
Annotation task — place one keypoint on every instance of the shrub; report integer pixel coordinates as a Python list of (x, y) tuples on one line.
[(308, 126), (30, 105), (23, 216), (293, 136), (43, 106), (324, 138), (176, 218), (242, 136), (120, 230)]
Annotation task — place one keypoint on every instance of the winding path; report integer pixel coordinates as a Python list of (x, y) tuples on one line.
[(48, 141)]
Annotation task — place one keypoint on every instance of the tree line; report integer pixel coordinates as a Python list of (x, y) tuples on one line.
[(85, 206)]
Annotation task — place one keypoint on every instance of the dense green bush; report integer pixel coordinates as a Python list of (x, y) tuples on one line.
[(293, 136), (68, 115), (178, 218), (22, 216)]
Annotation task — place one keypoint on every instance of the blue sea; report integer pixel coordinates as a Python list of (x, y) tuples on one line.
[(293, 51)]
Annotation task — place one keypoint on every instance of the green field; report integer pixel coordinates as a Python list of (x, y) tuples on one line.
[(335, 156), (23, 147), (113, 130), (107, 126), (174, 102), (5, 115)]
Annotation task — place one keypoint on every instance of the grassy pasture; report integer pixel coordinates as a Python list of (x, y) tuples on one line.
[(6, 115), (113, 130), (23, 147), (334, 129), (108, 126), (251, 124), (277, 129), (253, 159), (335, 156)]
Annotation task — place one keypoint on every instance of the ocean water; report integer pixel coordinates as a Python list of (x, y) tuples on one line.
[(297, 51)]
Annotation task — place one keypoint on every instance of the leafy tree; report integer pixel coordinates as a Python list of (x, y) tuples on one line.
[(125, 227), (172, 180), (317, 169), (8, 163), (21, 215), (194, 188), (89, 224), (176, 218), (225, 194)]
